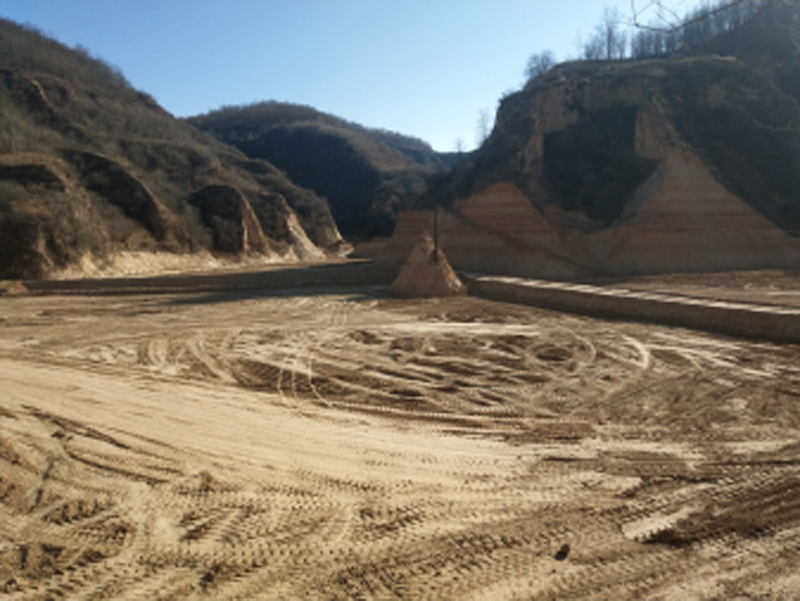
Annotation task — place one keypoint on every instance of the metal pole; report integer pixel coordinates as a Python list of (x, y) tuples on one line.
[(435, 231)]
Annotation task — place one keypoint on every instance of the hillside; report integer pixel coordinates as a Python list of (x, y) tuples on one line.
[(687, 163), (768, 42), (368, 176), (91, 169)]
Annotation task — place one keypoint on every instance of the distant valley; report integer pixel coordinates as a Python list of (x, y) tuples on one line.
[(367, 176)]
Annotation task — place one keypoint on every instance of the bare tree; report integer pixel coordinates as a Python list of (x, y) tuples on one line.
[(539, 64), (484, 126), (614, 38), (651, 41), (643, 44), (593, 48), (610, 40), (693, 29)]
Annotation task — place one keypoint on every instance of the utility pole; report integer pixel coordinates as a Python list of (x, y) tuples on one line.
[(435, 231)]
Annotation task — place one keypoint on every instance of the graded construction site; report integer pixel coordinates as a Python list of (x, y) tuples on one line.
[(282, 436)]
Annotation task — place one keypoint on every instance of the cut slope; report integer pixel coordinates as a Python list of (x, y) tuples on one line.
[(685, 222), (686, 164), (692, 223)]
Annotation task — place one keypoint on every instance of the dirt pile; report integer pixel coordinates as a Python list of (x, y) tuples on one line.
[(12, 288), (426, 273), (91, 169)]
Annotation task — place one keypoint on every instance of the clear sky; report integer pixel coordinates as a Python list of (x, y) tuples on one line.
[(425, 68)]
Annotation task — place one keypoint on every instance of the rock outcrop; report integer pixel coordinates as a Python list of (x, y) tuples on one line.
[(229, 216)]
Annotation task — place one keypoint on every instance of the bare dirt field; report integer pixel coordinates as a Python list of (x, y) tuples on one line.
[(334, 443)]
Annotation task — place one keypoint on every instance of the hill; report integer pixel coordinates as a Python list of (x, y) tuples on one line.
[(768, 42), (91, 168), (368, 176), (685, 163)]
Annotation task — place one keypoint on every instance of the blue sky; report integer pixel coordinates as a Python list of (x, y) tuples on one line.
[(425, 68)]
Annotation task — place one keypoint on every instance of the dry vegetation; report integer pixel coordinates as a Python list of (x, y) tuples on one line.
[(368, 176), (90, 166), (307, 443)]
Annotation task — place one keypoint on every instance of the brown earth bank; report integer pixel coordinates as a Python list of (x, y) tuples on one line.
[(336, 443), (683, 227)]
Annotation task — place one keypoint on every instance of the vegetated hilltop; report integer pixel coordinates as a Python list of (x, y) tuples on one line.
[(769, 42), (91, 168), (681, 163), (368, 176)]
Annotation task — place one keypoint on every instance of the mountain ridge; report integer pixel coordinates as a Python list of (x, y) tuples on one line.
[(367, 175)]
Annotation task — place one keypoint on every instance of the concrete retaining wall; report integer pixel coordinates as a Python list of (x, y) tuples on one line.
[(779, 324)]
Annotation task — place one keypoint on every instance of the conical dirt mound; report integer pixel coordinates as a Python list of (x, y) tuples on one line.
[(426, 273)]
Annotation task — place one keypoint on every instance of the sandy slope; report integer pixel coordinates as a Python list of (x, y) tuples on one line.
[(337, 444), (685, 222)]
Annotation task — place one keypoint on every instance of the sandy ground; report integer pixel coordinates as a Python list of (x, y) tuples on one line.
[(773, 287), (337, 444)]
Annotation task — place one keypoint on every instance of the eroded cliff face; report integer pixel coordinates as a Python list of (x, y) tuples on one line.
[(626, 168)]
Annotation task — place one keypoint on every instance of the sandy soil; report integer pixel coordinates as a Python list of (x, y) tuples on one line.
[(768, 287), (336, 444)]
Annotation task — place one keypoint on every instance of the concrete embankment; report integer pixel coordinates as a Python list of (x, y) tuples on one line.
[(779, 324)]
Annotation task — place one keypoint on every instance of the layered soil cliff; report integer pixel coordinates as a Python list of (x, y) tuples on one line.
[(91, 168), (683, 164)]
